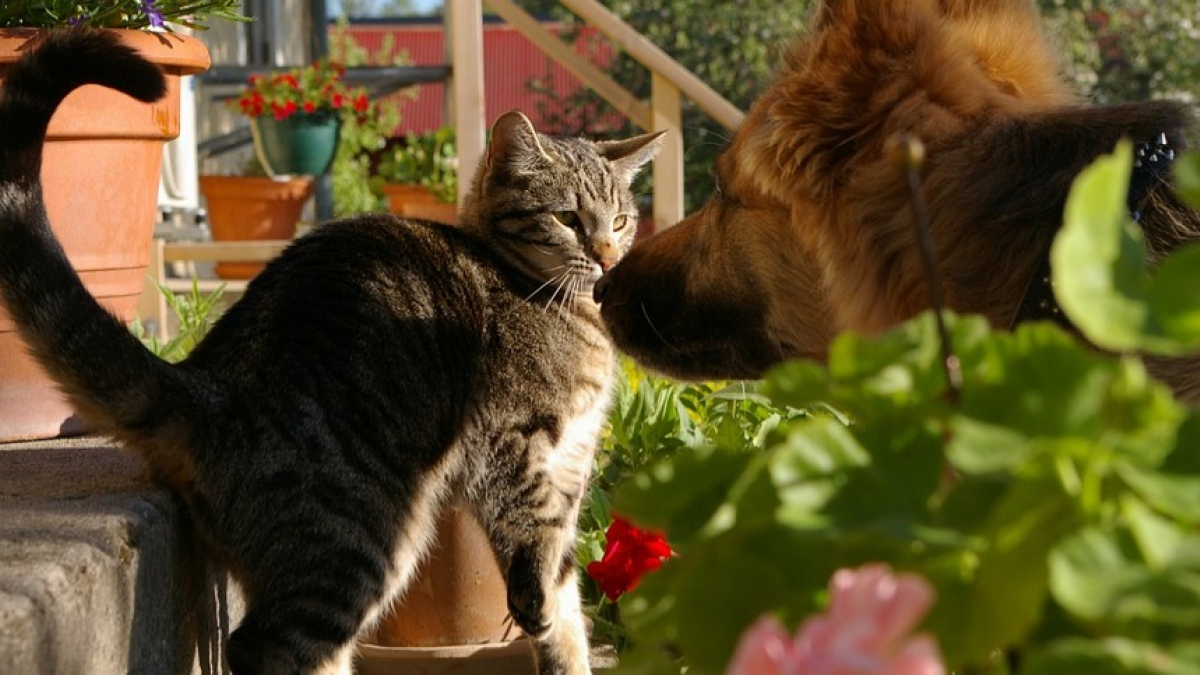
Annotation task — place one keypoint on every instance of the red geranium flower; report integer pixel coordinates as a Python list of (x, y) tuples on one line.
[(313, 89), (629, 553)]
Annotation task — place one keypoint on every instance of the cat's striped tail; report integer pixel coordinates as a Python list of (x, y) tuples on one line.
[(111, 379)]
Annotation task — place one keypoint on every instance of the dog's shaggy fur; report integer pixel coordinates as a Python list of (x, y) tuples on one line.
[(810, 229)]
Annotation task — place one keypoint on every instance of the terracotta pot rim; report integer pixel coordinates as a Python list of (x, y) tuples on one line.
[(279, 180), (298, 188), (175, 53), (485, 650)]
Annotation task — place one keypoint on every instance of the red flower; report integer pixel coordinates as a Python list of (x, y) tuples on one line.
[(283, 111), (629, 553), (316, 88)]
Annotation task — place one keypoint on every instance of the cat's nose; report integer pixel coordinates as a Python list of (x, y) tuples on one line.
[(600, 289)]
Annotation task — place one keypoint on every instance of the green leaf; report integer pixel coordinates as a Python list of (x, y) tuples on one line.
[(1184, 458), (1158, 539), (1173, 494), (976, 447), (680, 495), (1187, 178), (1113, 656), (797, 383), (994, 598), (1099, 263), (809, 467), (1174, 297), (1097, 576), (1040, 381), (742, 586)]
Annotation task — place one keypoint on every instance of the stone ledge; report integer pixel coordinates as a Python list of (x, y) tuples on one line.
[(98, 571), (98, 568)]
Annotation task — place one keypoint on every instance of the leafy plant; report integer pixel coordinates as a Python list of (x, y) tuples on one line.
[(362, 135), (653, 418), (195, 311), (117, 13), (429, 159), (1053, 504)]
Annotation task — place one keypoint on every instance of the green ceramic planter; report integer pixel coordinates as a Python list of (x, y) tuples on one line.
[(302, 144)]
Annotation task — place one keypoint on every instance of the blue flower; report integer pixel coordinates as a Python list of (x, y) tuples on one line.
[(152, 13)]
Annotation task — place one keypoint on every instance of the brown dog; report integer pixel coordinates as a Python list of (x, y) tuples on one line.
[(810, 231)]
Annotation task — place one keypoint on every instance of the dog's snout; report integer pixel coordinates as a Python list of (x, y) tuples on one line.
[(600, 290)]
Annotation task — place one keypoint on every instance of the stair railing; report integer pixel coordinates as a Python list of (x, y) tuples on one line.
[(670, 81)]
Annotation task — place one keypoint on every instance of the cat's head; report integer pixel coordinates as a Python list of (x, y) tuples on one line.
[(560, 210)]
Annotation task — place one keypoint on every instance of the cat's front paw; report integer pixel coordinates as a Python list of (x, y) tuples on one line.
[(528, 609), (528, 601)]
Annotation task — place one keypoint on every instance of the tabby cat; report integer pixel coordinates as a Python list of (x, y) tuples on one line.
[(374, 371)]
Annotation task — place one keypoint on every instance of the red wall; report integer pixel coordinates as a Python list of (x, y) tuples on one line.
[(511, 62)]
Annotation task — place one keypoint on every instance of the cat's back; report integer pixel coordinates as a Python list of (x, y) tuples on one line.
[(370, 307)]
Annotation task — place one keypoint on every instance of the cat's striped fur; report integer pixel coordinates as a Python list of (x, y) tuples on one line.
[(376, 370)]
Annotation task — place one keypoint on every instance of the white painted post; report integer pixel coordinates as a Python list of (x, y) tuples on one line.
[(464, 53), (668, 166)]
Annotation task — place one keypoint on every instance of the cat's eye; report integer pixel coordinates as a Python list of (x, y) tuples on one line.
[(568, 218), (621, 222)]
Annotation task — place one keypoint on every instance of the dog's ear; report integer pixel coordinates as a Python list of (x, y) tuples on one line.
[(1025, 166)]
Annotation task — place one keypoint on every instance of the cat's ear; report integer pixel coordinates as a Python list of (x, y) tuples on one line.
[(514, 143), (629, 155)]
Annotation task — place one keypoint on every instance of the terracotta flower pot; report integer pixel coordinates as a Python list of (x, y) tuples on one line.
[(416, 201), (454, 618), (100, 175), (245, 208)]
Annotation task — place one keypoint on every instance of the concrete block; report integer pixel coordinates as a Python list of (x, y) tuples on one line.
[(100, 572)]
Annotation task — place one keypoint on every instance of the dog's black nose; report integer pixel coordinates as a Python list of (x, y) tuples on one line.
[(601, 288)]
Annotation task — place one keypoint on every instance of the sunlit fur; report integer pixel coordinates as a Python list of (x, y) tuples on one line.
[(376, 371), (810, 230)]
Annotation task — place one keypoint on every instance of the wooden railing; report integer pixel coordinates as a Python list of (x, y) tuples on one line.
[(670, 81)]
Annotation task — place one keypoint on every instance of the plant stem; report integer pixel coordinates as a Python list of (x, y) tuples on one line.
[(910, 153)]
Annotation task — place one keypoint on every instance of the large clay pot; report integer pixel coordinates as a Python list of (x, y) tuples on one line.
[(100, 176), (246, 208), (454, 617)]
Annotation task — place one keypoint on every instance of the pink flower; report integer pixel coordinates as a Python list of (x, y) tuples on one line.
[(864, 631)]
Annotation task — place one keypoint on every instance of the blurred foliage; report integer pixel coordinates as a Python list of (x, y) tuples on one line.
[(1129, 50)]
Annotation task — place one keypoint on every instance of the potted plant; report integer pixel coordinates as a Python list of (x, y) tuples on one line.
[(305, 121), (296, 115), (252, 206), (419, 176), (100, 143)]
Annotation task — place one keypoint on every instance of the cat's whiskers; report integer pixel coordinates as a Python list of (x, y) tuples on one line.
[(559, 282), (537, 290)]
